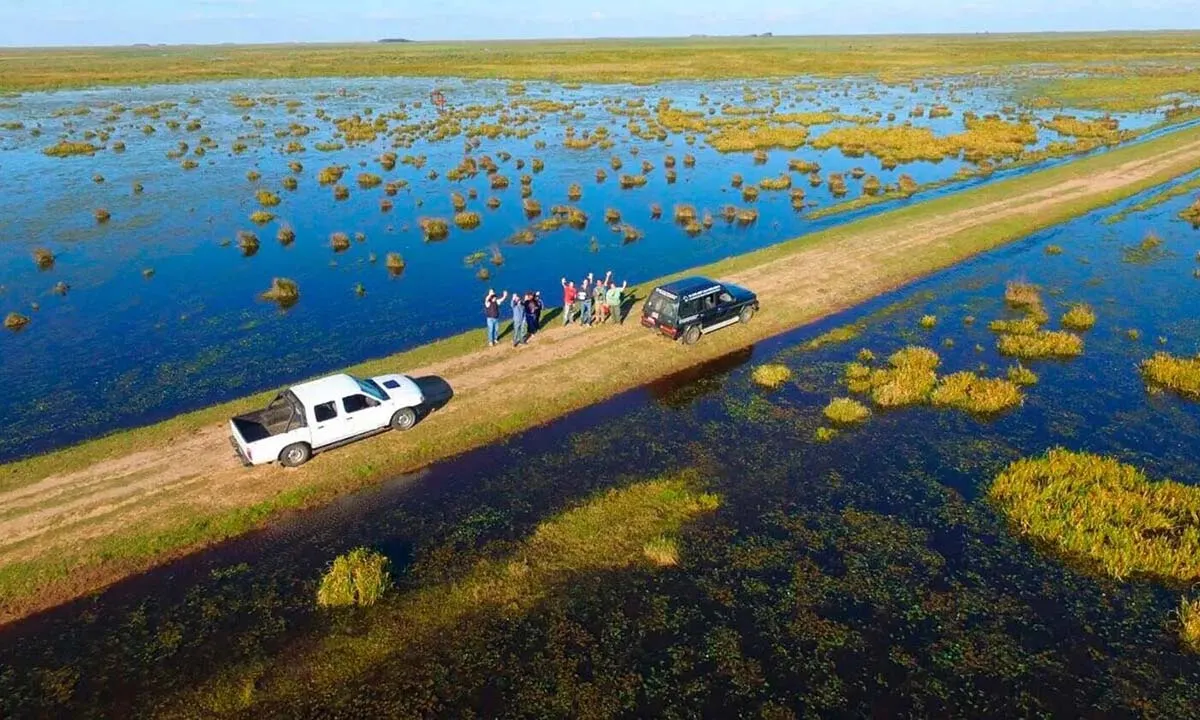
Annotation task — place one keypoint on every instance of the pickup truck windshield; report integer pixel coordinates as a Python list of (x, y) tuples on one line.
[(371, 388), (659, 302)]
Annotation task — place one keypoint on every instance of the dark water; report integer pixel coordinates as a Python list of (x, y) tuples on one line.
[(121, 350), (864, 576)]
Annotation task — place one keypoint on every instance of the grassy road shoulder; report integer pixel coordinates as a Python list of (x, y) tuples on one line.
[(80, 503)]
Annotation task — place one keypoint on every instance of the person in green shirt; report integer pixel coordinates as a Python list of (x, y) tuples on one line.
[(598, 295), (615, 298)]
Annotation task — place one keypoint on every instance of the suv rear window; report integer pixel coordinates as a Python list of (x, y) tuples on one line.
[(661, 303)]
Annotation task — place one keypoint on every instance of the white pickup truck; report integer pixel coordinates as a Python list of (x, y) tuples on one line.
[(324, 414)]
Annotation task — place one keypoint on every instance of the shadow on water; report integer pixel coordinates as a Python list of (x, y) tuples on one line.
[(863, 576)]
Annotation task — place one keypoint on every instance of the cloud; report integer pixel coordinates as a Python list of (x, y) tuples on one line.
[(597, 15)]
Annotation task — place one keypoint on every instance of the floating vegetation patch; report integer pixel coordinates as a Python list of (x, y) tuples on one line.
[(369, 180), (1189, 624), (839, 334), (395, 263), (359, 577), (972, 393), (102, 216), (1192, 213), (69, 149), (909, 379), (467, 220), (1148, 250), (1022, 375), (1041, 344), (1079, 317), (284, 291), (772, 376), (339, 241), (928, 321), (261, 217), (286, 235), (43, 258), (846, 411), (434, 228), (1105, 514), (745, 139), (15, 321), (1181, 375)]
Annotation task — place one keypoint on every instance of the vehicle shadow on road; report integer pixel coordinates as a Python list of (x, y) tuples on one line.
[(437, 392)]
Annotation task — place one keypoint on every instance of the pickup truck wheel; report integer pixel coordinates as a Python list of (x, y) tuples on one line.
[(692, 335), (404, 419), (295, 455), (746, 314)]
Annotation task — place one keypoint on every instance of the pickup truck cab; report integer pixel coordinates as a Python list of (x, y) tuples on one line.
[(324, 414), (689, 308)]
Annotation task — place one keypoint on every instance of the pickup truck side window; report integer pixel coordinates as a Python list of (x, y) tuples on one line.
[(726, 298), (709, 302), (325, 411), (354, 403), (689, 308)]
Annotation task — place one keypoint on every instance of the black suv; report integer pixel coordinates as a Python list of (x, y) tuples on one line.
[(688, 308)]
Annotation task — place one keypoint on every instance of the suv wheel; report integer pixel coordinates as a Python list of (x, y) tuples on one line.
[(692, 335), (295, 455), (404, 419), (746, 314)]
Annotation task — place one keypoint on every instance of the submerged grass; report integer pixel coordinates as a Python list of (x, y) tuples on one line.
[(1104, 513)]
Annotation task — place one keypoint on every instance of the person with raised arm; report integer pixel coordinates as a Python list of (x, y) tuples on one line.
[(569, 296), (491, 311)]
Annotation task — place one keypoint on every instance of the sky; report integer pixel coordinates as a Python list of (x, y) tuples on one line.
[(123, 22)]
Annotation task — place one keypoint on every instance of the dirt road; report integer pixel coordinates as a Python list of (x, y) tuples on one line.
[(197, 473)]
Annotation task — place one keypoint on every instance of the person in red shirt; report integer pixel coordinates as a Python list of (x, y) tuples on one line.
[(569, 295)]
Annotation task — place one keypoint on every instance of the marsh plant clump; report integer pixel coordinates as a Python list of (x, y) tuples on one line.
[(266, 198), (972, 393), (339, 241), (631, 181), (908, 380), (1022, 375), (1041, 344), (1189, 624), (1192, 213), (1022, 294), (928, 321), (290, 183), (434, 228), (341, 192), (394, 262), (1105, 514), (467, 220), (284, 291), (685, 213), (64, 148), (360, 577), (286, 235), (261, 217), (15, 321), (1180, 375), (662, 551), (1080, 317), (846, 411), (771, 376), (43, 258), (532, 207)]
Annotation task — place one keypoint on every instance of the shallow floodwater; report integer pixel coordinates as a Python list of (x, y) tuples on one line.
[(862, 576), (121, 349)]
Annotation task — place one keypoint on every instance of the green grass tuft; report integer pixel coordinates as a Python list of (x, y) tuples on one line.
[(967, 391), (284, 291), (1181, 375), (1041, 344), (1079, 317), (846, 411), (360, 577), (771, 376)]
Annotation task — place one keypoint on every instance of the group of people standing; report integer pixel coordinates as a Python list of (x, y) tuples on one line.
[(593, 302), (526, 315)]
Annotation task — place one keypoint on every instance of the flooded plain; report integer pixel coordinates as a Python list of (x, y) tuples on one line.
[(146, 301), (863, 574)]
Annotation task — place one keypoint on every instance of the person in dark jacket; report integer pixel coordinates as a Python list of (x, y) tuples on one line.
[(531, 311), (491, 311)]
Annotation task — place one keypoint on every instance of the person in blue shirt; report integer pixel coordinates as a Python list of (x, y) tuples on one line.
[(491, 311), (519, 328)]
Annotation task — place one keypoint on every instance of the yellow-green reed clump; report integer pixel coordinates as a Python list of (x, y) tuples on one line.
[(330, 175), (15, 321), (1182, 375), (661, 551), (685, 213), (747, 138), (632, 181), (1022, 326), (286, 235), (339, 241), (261, 217), (532, 207), (612, 216), (783, 182), (1022, 375), (360, 577), (928, 321), (434, 228), (1192, 213), (341, 192), (967, 391), (772, 376), (747, 216), (574, 192), (1022, 294), (1149, 249), (266, 198), (458, 201), (394, 262), (102, 216), (872, 186), (750, 193), (1105, 514), (247, 242), (284, 291), (824, 434), (369, 180), (467, 220), (1079, 317), (846, 411), (908, 380), (1189, 624), (1041, 344), (64, 148)]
